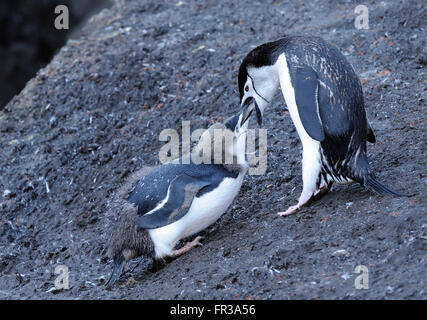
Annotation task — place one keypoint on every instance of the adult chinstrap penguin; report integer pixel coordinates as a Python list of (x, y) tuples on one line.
[(325, 101), (177, 200)]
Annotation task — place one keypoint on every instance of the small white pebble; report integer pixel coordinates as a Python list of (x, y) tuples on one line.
[(346, 276), (340, 252), (51, 289)]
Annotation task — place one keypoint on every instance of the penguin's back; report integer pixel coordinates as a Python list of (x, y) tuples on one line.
[(340, 95), (153, 188)]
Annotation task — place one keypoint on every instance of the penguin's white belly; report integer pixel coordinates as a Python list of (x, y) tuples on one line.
[(311, 157), (203, 212)]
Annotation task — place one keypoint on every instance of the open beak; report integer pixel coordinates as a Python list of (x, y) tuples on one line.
[(248, 107)]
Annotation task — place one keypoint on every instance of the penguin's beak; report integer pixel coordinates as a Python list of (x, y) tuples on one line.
[(248, 107), (119, 263)]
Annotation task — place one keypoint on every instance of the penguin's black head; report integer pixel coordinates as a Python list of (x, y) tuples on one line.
[(256, 80), (262, 56)]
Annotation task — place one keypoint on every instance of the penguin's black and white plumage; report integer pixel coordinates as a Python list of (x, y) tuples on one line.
[(325, 101), (177, 200)]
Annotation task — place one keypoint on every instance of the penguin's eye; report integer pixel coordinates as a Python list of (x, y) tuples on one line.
[(247, 88)]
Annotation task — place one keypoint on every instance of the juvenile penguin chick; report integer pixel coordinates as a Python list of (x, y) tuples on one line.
[(177, 200), (325, 101)]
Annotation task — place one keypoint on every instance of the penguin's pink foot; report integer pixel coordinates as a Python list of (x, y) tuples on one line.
[(188, 246), (289, 211), (306, 199), (303, 200)]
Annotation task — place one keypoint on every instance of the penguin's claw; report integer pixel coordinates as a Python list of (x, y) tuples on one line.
[(196, 241), (323, 190), (304, 199), (307, 198), (188, 246), (291, 210)]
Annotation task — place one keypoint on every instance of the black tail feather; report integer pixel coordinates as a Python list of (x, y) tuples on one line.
[(374, 185), (119, 262)]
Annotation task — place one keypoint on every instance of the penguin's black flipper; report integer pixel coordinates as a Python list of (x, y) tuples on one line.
[(306, 97), (179, 198)]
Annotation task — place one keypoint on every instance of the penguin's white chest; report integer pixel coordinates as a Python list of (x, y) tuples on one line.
[(203, 212)]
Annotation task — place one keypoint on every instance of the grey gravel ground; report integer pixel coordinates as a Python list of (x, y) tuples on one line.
[(93, 116)]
